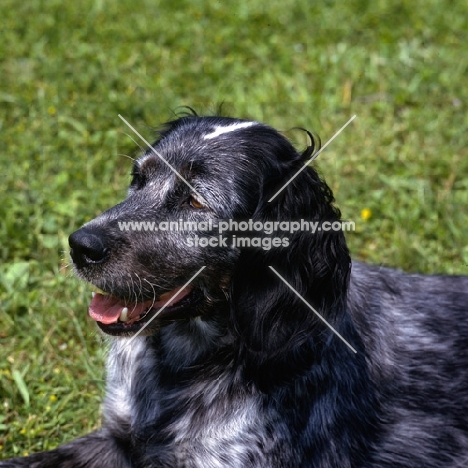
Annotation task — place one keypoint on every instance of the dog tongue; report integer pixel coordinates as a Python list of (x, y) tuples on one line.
[(106, 309)]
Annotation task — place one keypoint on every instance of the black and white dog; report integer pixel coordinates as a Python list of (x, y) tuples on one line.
[(279, 353)]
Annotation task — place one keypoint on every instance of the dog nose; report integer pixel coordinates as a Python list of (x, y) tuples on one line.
[(87, 247)]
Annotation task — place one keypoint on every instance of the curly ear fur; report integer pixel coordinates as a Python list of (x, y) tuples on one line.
[(272, 322)]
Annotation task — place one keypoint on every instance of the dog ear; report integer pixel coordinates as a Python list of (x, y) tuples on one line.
[(272, 322)]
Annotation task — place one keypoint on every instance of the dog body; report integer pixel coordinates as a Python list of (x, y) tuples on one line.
[(239, 371)]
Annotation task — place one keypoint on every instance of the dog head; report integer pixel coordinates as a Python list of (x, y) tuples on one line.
[(174, 249)]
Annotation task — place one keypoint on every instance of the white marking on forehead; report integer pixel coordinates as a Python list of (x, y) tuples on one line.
[(229, 128)]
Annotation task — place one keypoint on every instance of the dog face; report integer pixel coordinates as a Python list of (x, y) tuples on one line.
[(185, 177), (201, 170), (195, 174)]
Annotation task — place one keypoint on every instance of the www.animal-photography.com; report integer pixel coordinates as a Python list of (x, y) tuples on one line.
[(234, 235)]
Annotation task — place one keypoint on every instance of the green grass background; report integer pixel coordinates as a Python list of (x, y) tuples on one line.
[(69, 68)]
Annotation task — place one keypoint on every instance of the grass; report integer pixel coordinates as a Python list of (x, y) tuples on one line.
[(68, 69)]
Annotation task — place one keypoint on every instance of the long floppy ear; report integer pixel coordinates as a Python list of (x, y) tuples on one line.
[(272, 322)]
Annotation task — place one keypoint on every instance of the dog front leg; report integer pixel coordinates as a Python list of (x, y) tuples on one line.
[(96, 450)]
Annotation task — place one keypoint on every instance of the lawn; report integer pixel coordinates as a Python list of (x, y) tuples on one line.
[(399, 170)]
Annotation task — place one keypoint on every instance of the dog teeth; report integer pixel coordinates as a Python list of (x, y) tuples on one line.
[(93, 294), (124, 315)]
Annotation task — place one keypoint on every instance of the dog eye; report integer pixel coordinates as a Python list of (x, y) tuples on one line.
[(194, 203), (138, 180)]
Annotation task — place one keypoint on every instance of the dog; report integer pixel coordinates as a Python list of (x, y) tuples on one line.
[(256, 354)]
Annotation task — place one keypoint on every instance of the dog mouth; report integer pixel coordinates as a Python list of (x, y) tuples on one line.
[(117, 316)]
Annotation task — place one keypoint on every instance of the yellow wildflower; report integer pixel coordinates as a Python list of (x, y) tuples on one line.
[(366, 213)]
